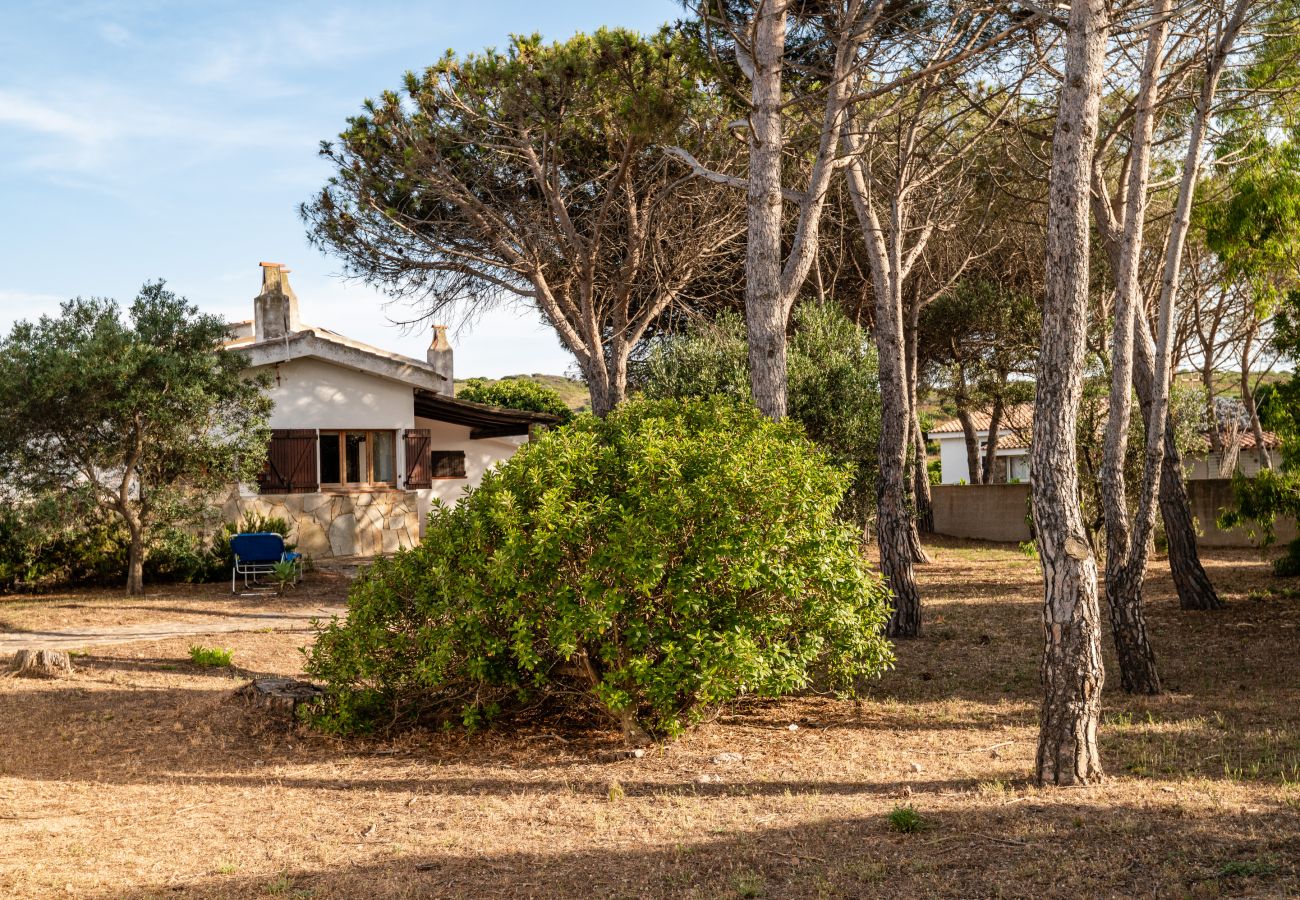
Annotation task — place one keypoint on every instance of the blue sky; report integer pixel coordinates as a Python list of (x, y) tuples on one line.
[(146, 139)]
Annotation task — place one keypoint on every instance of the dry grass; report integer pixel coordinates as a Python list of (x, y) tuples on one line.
[(71, 608), (140, 777)]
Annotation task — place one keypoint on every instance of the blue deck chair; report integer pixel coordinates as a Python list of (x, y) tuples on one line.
[(256, 553)]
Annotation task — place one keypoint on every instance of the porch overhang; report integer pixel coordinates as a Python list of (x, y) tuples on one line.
[(483, 421)]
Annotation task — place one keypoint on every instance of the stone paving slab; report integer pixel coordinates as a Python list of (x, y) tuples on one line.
[(75, 639)]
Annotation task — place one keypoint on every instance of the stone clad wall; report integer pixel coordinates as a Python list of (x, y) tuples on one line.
[(324, 525)]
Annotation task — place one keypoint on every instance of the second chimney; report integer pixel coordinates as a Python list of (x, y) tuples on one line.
[(439, 356), (275, 310)]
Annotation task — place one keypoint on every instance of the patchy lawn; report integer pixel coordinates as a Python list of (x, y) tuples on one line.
[(141, 777)]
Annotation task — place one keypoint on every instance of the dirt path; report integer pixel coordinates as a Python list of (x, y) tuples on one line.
[(78, 638)]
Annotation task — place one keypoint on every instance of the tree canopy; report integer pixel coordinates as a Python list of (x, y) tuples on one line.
[(145, 415), (535, 174)]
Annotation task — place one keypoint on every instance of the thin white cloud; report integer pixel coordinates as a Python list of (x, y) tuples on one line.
[(115, 34), (105, 132), (33, 114), (258, 55)]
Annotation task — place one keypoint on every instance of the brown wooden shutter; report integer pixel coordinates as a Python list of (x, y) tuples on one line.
[(290, 463), (448, 463), (418, 474)]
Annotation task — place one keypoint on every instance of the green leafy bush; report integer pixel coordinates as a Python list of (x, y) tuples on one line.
[(834, 388), (516, 393), (652, 564), (210, 657), (55, 540), (1260, 502)]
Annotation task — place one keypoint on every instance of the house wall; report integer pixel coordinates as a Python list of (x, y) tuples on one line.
[(1210, 496), (480, 455), (309, 393), (1202, 467), (952, 459)]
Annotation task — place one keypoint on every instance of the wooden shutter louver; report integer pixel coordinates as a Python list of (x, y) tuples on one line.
[(448, 463), (290, 463), (418, 473)]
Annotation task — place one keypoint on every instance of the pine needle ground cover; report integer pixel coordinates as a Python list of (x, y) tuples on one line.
[(151, 781)]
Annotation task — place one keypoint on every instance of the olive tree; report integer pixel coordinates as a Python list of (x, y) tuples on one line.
[(144, 416)]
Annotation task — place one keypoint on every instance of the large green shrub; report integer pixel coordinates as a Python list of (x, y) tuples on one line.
[(834, 388), (669, 557)]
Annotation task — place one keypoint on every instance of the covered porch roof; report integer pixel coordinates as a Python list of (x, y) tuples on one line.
[(482, 420)]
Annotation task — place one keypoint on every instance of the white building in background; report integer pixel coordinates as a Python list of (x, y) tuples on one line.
[(1011, 461), (363, 440), (1012, 456)]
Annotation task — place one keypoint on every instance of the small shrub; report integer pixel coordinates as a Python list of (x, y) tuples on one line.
[(652, 564), (906, 820), (747, 883), (210, 657), (1029, 548), (1247, 868), (284, 575), (1288, 564)]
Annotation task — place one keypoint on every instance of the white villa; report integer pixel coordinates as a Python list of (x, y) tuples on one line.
[(1011, 461), (1012, 456), (363, 439)]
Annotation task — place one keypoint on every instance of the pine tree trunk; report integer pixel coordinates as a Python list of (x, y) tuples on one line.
[(972, 445), (1137, 661), (602, 401), (1195, 590), (895, 530), (1072, 666), (921, 480), (921, 497), (1127, 544), (893, 533), (607, 380), (765, 309), (991, 445)]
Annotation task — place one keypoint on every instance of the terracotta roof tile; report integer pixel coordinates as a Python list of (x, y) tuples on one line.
[(1018, 423)]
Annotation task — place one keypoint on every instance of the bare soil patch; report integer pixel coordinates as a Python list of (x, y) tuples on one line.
[(150, 780)]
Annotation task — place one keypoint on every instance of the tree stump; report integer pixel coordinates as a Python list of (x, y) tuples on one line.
[(41, 664), (281, 696)]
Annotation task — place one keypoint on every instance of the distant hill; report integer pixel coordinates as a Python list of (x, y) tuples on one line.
[(571, 390)]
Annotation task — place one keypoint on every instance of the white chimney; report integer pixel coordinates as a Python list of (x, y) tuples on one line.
[(275, 310), (439, 356)]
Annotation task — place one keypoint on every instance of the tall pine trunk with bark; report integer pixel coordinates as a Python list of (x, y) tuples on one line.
[(895, 530), (765, 310), (1126, 542), (1072, 670), (1195, 590)]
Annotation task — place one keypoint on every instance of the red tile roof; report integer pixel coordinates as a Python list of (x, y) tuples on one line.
[(1018, 422)]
